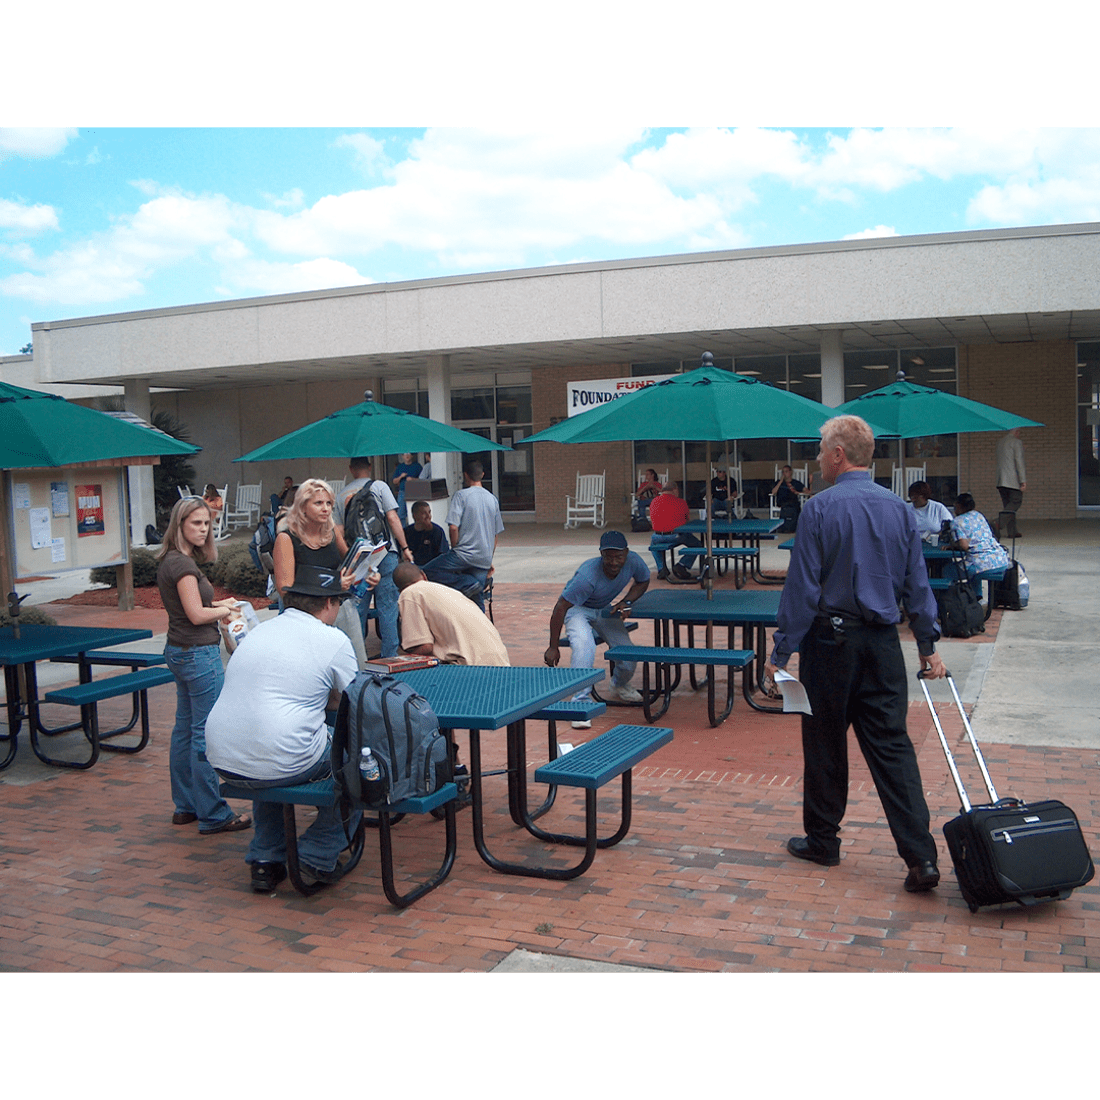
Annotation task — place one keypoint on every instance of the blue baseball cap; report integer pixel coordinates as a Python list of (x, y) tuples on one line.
[(612, 540)]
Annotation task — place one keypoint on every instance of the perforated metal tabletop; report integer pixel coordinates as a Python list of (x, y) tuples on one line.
[(746, 606), (489, 698)]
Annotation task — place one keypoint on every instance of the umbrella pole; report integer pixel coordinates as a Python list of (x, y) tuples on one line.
[(708, 581)]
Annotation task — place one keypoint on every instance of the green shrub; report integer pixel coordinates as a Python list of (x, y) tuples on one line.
[(28, 615), (145, 570), (235, 571)]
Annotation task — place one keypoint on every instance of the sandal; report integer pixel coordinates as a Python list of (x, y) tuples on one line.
[(234, 825)]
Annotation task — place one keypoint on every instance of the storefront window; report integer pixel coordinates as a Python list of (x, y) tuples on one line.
[(1088, 425)]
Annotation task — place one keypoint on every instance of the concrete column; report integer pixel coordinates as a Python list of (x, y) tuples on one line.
[(444, 463), (832, 367), (143, 508)]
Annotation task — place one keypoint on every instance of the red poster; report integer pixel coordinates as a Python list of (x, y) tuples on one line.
[(89, 510)]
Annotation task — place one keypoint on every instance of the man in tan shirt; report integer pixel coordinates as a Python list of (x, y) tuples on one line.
[(439, 621)]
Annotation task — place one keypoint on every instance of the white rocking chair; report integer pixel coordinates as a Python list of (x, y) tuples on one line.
[(587, 502), (246, 512), (904, 477), (221, 528), (798, 473)]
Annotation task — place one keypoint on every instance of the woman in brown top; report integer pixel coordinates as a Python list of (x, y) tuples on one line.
[(193, 654)]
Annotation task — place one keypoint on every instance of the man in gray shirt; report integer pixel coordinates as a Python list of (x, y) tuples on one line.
[(473, 526), (1011, 475)]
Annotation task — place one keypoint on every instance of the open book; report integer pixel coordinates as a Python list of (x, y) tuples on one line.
[(363, 558)]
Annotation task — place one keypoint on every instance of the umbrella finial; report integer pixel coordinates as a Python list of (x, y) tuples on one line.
[(706, 359), (900, 376), (368, 395)]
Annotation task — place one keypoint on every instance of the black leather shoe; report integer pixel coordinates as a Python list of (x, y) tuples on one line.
[(318, 875), (266, 876), (799, 846), (922, 876)]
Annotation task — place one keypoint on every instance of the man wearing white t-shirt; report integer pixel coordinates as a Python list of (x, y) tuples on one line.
[(268, 729)]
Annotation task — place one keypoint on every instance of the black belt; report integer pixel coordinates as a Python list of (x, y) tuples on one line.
[(848, 620)]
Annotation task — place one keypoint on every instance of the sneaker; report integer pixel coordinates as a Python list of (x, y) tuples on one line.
[(682, 572), (266, 876), (582, 724), (625, 694)]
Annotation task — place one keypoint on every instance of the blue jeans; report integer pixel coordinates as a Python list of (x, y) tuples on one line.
[(199, 675), (385, 600), (451, 570), (658, 544), (579, 624), (319, 846)]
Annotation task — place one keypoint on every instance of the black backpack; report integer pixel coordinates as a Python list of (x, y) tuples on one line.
[(364, 519), (263, 543), (961, 613), (403, 734)]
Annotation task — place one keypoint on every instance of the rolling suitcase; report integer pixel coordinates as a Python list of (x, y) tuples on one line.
[(1010, 850)]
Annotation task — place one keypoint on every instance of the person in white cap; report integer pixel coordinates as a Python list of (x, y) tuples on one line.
[(586, 608)]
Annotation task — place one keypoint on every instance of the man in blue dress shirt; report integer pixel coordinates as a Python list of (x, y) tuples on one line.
[(857, 556)]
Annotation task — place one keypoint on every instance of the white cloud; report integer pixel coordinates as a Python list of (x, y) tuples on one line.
[(22, 218), (265, 277), (34, 143), (869, 234), (1023, 202), (495, 196), (113, 265), (292, 198), (369, 152)]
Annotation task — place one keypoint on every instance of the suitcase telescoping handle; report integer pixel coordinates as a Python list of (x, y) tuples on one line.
[(947, 748)]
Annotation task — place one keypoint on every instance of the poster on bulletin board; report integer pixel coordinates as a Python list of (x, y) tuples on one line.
[(89, 510), (67, 518)]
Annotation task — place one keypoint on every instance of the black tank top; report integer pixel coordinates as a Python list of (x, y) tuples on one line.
[(325, 557)]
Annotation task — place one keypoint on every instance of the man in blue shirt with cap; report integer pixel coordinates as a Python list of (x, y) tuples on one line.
[(586, 605), (856, 557)]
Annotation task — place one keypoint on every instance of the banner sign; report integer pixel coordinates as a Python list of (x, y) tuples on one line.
[(582, 396)]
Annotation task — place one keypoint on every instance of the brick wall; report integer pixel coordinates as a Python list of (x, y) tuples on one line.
[(557, 464), (1037, 380)]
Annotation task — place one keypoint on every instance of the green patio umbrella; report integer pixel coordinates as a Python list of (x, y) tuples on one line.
[(370, 429), (704, 404), (41, 429), (903, 410)]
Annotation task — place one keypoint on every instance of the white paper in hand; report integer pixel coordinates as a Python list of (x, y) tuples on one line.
[(795, 699)]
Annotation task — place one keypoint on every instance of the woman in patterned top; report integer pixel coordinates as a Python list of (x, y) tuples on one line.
[(975, 538)]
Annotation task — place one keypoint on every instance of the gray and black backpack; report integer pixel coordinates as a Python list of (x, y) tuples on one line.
[(403, 734)]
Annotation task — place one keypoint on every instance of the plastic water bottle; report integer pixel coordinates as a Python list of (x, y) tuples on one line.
[(369, 771)]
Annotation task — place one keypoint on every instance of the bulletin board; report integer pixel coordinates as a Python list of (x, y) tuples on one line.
[(67, 518)]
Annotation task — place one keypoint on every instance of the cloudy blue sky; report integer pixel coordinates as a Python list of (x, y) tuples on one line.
[(104, 220)]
